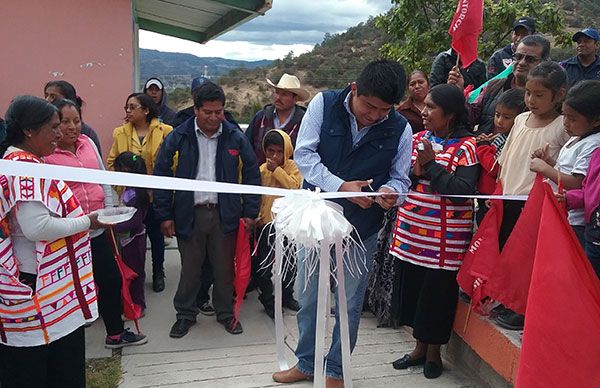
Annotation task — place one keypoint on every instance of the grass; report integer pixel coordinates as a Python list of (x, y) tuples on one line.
[(103, 372)]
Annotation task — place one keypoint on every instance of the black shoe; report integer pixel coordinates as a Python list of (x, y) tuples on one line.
[(406, 361), (181, 328), (498, 310), (432, 370), (207, 309), (510, 320), (158, 280), (291, 303), (230, 328)]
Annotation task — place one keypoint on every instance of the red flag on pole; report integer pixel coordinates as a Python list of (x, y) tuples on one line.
[(465, 28), (509, 283), (242, 268), (561, 341), (482, 255)]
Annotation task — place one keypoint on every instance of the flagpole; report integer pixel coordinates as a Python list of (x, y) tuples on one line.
[(457, 60), (468, 316)]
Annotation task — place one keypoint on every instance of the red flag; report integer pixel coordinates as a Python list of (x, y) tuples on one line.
[(465, 28), (242, 268), (561, 342), (509, 282), (482, 255), (130, 309)]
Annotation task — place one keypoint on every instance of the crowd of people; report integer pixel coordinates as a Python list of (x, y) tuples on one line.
[(532, 115)]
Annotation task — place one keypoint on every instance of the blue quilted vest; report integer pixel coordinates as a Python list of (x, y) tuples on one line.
[(371, 158)]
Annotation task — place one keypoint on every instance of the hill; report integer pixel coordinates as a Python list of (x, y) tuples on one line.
[(337, 60), (176, 70)]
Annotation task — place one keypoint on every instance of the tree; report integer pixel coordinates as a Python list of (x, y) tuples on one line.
[(419, 28)]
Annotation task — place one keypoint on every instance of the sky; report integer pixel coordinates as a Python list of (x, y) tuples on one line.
[(290, 25)]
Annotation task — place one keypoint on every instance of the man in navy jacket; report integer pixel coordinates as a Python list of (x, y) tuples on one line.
[(208, 148)]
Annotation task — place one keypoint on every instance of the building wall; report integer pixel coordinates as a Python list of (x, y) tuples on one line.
[(87, 43)]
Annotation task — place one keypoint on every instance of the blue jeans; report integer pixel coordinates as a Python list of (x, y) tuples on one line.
[(307, 316)]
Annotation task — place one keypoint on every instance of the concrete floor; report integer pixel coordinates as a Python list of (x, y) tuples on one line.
[(208, 356)]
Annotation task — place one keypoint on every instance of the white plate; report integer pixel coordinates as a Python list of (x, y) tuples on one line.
[(115, 215)]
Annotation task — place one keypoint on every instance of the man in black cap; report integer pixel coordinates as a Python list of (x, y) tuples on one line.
[(503, 57), (586, 64)]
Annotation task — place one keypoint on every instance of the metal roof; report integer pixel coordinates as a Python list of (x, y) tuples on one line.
[(196, 20)]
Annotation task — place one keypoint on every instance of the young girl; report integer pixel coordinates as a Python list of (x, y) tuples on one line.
[(133, 244), (582, 122), (489, 146), (541, 127)]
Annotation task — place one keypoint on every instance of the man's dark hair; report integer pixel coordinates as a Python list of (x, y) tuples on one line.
[(208, 91), (273, 138), (540, 41), (383, 79), (513, 99)]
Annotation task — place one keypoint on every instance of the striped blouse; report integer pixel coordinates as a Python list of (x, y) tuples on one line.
[(432, 231)]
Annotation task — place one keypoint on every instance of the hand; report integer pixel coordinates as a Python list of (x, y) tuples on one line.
[(485, 137), (271, 165), (427, 154), (248, 223), (488, 203), (544, 154), (561, 197), (417, 169), (387, 200), (455, 78), (94, 223), (356, 186), (538, 165), (167, 228)]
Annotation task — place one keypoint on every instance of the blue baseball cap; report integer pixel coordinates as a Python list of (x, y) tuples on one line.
[(587, 32), (198, 81)]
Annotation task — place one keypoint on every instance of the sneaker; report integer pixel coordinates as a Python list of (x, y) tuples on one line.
[(510, 320), (207, 309), (127, 338)]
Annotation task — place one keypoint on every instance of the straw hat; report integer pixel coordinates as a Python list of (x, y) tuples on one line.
[(291, 83)]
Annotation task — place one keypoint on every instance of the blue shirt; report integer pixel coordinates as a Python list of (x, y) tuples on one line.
[(576, 72), (315, 172)]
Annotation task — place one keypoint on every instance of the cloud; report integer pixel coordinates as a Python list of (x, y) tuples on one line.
[(291, 25), (296, 22)]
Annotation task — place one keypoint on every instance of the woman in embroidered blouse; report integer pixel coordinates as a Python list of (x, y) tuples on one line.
[(77, 150), (143, 134), (432, 232), (47, 290)]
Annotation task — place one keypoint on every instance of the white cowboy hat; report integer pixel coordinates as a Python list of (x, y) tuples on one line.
[(291, 83)]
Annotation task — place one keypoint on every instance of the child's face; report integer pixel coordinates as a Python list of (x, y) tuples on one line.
[(539, 99), (504, 119), (577, 124), (275, 152)]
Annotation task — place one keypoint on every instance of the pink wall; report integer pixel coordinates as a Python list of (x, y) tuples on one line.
[(87, 43)]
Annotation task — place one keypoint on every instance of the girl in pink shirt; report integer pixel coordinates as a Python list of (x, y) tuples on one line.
[(582, 114)]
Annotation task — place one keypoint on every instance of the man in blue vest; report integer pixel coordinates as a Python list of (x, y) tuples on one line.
[(351, 140)]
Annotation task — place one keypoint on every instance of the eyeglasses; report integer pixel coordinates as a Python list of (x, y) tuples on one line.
[(528, 58), (131, 107)]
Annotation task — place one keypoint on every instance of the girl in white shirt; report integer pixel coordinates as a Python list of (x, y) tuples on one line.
[(574, 157)]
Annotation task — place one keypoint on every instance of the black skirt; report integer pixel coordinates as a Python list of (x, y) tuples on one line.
[(427, 302)]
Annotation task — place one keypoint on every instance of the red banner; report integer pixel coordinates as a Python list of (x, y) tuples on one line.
[(561, 341), (465, 28)]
